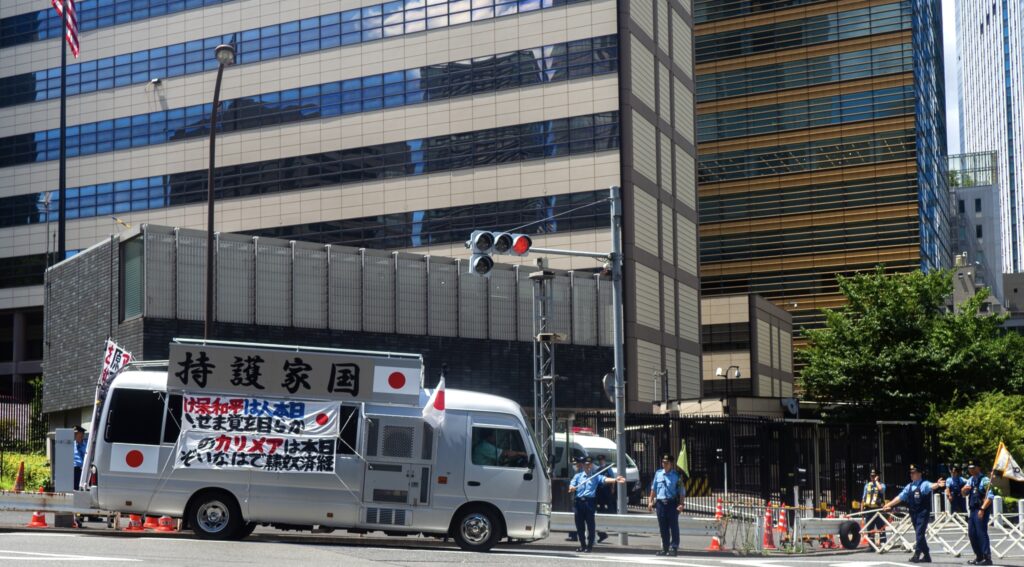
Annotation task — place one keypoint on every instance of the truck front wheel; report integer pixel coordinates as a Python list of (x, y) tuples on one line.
[(215, 515), (477, 529)]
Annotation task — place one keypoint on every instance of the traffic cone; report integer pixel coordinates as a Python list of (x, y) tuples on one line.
[(42, 490), (716, 544), (166, 524), (38, 521), (829, 542), (19, 481), (151, 523), (769, 541), (718, 510), (782, 526), (134, 524)]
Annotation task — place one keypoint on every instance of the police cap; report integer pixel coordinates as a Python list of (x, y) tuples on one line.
[(913, 469), (588, 459), (667, 458), (874, 472), (79, 429), (972, 465)]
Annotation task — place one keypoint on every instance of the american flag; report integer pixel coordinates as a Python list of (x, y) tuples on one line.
[(71, 33)]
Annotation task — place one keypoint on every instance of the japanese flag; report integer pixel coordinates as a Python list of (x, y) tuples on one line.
[(433, 412), (129, 458), (391, 380)]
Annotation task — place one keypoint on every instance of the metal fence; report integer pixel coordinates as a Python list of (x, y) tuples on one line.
[(750, 460), (267, 281)]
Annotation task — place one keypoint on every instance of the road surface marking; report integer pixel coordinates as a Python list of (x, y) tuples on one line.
[(32, 556)]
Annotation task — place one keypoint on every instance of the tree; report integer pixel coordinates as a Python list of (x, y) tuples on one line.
[(896, 350), (974, 432)]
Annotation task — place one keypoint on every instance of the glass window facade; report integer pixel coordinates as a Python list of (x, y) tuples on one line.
[(806, 156), (812, 113), (537, 140), (370, 23), (861, 22), (806, 72), (19, 271), (92, 15), (526, 67), (725, 337), (712, 10), (453, 224)]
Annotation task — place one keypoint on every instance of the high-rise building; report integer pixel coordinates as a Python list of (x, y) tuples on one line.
[(990, 45), (975, 223), (821, 143), (397, 125)]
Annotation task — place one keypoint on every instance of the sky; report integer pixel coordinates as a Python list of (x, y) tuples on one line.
[(952, 80)]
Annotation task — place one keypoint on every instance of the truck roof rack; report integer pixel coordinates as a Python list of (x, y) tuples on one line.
[(297, 348)]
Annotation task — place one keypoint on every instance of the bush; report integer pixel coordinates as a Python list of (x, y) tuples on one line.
[(37, 470), (974, 432)]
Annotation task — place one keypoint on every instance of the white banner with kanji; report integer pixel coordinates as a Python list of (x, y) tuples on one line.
[(271, 453), (259, 416)]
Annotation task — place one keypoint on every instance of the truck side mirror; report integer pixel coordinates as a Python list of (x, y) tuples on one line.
[(533, 461)]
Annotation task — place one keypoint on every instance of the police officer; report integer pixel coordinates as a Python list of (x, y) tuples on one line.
[(667, 492), (873, 499), (954, 487), (584, 487), (79, 455), (915, 495), (978, 491)]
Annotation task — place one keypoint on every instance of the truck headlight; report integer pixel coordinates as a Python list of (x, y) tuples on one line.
[(544, 508)]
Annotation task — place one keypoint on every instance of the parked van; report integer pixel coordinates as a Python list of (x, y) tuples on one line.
[(227, 436), (583, 442)]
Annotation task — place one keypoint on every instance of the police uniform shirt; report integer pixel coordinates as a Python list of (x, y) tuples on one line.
[(666, 485), (915, 493), (981, 488), (955, 483), (874, 493), (586, 485)]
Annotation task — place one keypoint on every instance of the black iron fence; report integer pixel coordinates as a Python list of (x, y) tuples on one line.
[(751, 460), (18, 431)]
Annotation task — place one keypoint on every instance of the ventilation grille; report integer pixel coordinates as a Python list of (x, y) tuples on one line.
[(386, 517), (397, 441)]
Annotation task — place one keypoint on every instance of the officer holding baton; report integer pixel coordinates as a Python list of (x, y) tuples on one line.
[(584, 487)]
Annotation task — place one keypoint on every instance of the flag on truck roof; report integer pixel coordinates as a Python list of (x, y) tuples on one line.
[(433, 412), (394, 380)]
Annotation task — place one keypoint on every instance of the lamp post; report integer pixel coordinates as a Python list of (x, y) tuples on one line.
[(225, 56), (720, 374)]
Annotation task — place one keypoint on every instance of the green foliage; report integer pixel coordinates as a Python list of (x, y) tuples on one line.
[(37, 470), (974, 432), (896, 351), (37, 420)]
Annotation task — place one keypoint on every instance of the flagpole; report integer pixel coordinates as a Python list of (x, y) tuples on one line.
[(62, 184)]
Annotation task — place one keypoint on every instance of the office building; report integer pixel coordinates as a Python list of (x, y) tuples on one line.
[(398, 126), (990, 50), (822, 146), (975, 225)]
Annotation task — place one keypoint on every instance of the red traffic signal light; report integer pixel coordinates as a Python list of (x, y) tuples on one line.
[(521, 244)]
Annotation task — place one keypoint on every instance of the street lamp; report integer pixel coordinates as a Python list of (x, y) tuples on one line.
[(225, 56), (721, 374)]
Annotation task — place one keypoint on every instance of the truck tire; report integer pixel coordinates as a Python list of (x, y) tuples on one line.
[(477, 529), (849, 535), (215, 515), (245, 531)]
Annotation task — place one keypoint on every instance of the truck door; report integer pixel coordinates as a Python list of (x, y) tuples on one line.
[(498, 467), (399, 451)]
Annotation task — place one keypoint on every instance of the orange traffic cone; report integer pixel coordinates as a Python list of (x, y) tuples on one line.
[(134, 524), (151, 523), (38, 521), (716, 544), (718, 510), (167, 524), (829, 542), (42, 489), (19, 481), (769, 541)]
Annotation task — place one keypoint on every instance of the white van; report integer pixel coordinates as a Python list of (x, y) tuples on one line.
[(478, 478), (583, 442)]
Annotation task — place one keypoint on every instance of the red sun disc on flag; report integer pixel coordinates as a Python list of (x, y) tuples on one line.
[(134, 458), (396, 380), (439, 401), (321, 419)]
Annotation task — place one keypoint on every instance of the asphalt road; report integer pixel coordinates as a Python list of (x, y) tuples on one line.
[(271, 549)]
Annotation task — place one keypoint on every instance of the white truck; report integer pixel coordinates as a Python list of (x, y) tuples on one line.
[(230, 435)]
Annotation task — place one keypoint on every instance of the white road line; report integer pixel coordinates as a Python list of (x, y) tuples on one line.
[(12, 555), (38, 534)]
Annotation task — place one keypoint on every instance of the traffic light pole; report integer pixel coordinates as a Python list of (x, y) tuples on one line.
[(618, 339)]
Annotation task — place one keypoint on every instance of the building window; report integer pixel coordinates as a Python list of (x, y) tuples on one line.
[(132, 278), (977, 205), (960, 206), (724, 337), (977, 230)]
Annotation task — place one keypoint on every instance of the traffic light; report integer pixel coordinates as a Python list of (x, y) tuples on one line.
[(483, 244)]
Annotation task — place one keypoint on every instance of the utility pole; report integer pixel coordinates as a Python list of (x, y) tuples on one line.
[(544, 410)]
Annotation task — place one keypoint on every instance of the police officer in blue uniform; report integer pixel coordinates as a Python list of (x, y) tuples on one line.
[(978, 491), (584, 487), (916, 496), (667, 493), (954, 487)]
